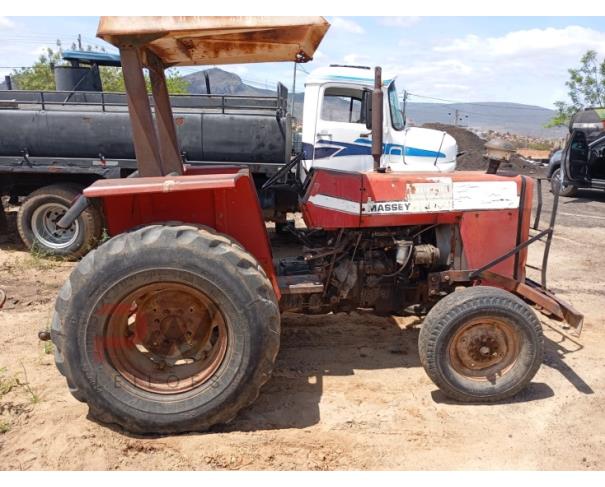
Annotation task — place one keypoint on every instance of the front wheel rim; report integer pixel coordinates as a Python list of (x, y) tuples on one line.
[(484, 348), (44, 225), (166, 338)]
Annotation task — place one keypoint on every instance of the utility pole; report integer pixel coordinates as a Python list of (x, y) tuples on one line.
[(457, 116), (293, 89), (80, 42)]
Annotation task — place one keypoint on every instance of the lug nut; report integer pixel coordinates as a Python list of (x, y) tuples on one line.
[(44, 335)]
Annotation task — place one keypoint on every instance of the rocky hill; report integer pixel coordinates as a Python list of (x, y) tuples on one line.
[(223, 82)]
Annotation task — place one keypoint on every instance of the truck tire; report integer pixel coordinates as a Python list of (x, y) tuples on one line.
[(166, 329), (39, 213), (557, 186), (481, 344)]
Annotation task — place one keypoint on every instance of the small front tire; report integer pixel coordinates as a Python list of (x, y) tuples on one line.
[(481, 344)]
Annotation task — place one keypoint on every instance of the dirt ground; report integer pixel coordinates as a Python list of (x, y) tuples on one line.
[(348, 391)]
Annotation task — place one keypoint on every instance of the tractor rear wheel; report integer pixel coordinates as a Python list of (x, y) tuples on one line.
[(166, 329), (481, 344)]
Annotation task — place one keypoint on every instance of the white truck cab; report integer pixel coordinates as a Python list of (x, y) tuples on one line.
[(335, 135)]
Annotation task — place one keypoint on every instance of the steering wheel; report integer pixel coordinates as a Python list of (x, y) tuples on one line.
[(282, 172)]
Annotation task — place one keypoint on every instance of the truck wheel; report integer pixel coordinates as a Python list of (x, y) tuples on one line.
[(557, 186), (166, 329), (481, 344), (38, 217)]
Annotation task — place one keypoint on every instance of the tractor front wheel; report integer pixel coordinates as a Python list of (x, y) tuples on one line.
[(166, 329), (481, 344)]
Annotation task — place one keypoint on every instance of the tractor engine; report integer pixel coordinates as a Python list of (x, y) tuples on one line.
[(381, 270)]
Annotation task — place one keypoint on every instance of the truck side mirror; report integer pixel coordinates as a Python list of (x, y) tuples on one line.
[(366, 103)]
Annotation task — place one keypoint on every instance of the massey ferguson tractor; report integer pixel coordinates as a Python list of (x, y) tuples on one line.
[(173, 324)]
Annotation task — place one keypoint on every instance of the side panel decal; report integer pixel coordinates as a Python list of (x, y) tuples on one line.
[(432, 197)]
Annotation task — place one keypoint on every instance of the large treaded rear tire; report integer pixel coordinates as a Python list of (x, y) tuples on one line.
[(196, 256), (88, 226), (461, 309)]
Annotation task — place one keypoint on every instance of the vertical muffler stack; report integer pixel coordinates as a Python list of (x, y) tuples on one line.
[(377, 118)]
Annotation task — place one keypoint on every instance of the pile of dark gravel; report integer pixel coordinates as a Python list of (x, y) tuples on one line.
[(473, 147)]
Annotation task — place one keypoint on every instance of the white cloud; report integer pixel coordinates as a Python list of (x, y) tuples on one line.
[(528, 66), (569, 40), (238, 69), (407, 43), (355, 59), (449, 87), (346, 25), (41, 49), (6, 23), (399, 21), (447, 67)]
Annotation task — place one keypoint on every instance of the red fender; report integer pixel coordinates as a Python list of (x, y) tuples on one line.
[(223, 198)]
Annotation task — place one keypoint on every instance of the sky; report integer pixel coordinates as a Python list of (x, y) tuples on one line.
[(511, 59)]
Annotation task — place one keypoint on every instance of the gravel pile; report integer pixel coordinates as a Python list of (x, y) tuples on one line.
[(473, 147)]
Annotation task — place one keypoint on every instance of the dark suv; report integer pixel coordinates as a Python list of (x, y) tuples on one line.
[(581, 164)]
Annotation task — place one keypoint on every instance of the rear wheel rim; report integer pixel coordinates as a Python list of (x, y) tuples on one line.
[(166, 338), (484, 348), (46, 230)]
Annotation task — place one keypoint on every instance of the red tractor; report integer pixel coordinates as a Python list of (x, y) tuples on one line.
[(173, 324)]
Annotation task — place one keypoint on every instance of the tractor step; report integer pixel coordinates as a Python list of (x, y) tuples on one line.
[(302, 284)]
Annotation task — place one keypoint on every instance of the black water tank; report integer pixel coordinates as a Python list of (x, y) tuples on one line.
[(70, 78)]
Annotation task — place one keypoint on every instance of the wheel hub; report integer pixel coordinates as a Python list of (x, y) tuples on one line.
[(172, 339), (484, 348), (44, 226)]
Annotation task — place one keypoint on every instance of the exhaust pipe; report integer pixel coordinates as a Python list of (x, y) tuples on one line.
[(377, 118)]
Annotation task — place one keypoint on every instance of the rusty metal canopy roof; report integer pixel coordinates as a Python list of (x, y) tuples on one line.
[(185, 41)]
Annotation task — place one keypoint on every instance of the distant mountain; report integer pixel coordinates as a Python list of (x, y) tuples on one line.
[(499, 116), (223, 83)]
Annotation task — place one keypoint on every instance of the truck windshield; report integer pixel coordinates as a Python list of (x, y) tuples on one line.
[(395, 99)]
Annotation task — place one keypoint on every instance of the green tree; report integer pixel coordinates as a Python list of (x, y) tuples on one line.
[(586, 88), (177, 85), (113, 80), (40, 76)]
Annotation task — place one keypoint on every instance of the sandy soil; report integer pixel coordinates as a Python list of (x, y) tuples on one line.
[(348, 391)]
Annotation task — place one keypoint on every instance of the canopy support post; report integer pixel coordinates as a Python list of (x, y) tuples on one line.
[(168, 142), (144, 135)]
